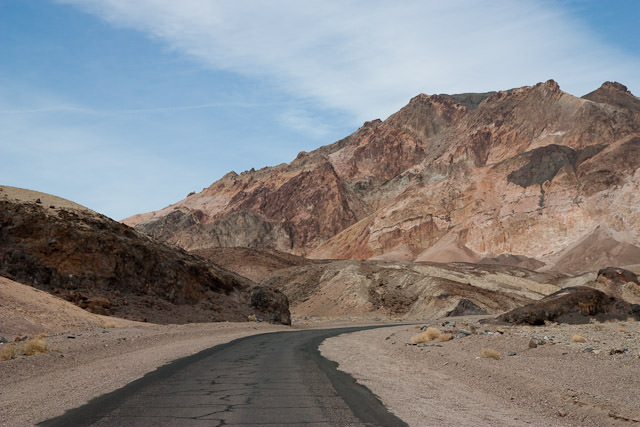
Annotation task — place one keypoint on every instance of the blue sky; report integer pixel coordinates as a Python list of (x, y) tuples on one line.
[(126, 107)]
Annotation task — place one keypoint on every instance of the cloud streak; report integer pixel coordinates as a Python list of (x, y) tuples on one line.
[(84, 110), (367, 58)]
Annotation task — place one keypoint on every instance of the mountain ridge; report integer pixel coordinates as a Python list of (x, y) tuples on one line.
[(532, 161)]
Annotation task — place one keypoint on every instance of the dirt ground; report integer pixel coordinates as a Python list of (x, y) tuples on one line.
[(558, 383)]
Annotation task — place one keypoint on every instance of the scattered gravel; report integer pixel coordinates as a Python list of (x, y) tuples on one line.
[(555, 383)]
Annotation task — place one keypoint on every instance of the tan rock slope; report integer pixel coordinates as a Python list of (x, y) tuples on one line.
[(379, 289), (25, 310), (108, 268), (522, 175)]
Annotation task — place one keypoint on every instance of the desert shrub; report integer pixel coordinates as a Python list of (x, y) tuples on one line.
[(8, 351), (444, 337), (489, 353), (578, 338), (252, 318), (110, 324), (30, 347), (34, 346), (426, 336)]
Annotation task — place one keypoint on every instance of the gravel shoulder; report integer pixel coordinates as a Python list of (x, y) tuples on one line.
[(558, 383), (85, 363)]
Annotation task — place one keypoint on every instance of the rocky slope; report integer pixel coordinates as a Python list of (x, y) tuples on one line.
[(372, 289), (109, 268), (523, 175)]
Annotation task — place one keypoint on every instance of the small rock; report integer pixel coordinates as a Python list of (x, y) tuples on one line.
[(387, 338), (464, 332), (617, 351), (562, 413), (38, 201), (532, 343), (500, 331), (589, 349), (511, 353), (4, 340)]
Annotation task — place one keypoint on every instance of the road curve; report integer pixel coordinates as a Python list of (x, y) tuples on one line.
[(275, 379)]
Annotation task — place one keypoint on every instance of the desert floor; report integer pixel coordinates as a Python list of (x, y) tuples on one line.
[(558, 383), (446, 383)]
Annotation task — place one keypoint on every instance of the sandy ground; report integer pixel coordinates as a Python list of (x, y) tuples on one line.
[(560, 383)]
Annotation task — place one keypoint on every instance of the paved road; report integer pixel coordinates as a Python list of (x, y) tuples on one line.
[(263, 380)]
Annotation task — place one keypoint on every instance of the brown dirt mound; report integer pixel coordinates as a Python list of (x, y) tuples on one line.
[(573, 305), (596, 250)]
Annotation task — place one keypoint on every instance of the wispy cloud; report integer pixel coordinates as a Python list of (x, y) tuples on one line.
[(367, 58), (84, 110), (304, 122)]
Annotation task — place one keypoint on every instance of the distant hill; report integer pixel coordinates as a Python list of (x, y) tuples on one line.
[(108, 268)]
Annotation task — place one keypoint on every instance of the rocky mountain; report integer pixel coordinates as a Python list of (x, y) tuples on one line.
[(108, 268), (522, 176)]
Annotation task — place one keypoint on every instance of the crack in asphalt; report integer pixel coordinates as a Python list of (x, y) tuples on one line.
[(268, 380)]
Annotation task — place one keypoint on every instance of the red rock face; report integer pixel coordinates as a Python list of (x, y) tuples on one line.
[(312, 203), (528, 172)]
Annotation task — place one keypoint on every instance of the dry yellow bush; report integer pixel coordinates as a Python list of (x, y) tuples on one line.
[(426, 336), (444, 337), (490, 353), (111, 325), (622, 329), (8, 351), (578, 338), (27, 348), (34, 346)]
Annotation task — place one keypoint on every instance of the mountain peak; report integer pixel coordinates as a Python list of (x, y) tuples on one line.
[(616, 94), (615, 86)]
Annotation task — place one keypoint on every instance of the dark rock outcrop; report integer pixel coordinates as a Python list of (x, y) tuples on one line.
[(617, 275), (575, 305), (271, 305)]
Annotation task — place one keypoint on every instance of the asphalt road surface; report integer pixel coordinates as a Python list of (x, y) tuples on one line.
[(277, 379)]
